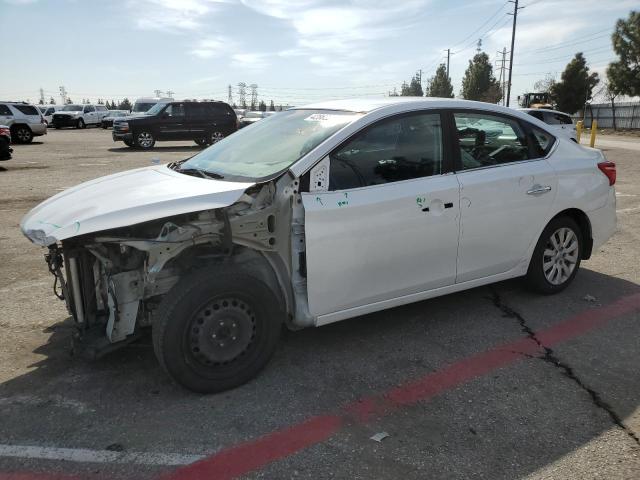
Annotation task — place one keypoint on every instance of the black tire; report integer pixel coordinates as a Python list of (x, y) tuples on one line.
[(189, 329), (144, 139), (201, 141), (536, 278), (80, 123), (129, 143), (21, 134), (57, 126)]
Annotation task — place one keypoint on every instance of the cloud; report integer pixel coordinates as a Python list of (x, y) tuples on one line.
[(213, 47), (173, 16), (250, 61)]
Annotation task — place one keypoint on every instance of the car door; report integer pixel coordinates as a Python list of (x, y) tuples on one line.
[(89, 114), (388, 225), (173, 123), (197, 119), (507, 188)]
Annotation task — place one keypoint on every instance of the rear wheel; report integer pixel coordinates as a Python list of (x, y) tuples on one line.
[(557, 256), (216, 330), (144, 139), (21, 134), (80, 123)]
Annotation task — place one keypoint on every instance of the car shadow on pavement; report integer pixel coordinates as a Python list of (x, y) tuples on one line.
[(184, 148), (506, 424)]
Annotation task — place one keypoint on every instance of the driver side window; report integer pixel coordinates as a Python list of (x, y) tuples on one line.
[(395, 149)]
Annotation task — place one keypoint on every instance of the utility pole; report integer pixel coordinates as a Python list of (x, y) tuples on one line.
[(503, 72), (513, 40), (254, 96), (41, 96), (170, 93), (448, 58), (242, 94), (63, 95), (230, 97), (158, 93)]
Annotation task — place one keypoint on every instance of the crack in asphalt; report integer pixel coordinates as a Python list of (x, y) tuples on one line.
[(550, 357)]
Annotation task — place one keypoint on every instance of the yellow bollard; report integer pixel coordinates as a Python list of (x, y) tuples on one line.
[(579, 127), (594, 128)]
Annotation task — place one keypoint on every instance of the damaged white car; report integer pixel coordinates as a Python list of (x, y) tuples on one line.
[(315, 215)]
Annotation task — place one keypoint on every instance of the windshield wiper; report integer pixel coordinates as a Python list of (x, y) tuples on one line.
[(200, 173)]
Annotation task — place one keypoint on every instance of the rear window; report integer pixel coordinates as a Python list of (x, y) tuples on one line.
[(28, 109), (537, 115)]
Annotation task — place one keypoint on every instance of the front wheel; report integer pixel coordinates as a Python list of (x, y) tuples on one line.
[(557, 256), (129, 143), (216, 330), (144, 139)]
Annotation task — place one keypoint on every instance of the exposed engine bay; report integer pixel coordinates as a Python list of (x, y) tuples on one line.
[(113, 281)]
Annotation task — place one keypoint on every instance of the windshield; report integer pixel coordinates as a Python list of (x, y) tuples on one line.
[(271, 145), (72, 108), (155, 109), (143, 107)]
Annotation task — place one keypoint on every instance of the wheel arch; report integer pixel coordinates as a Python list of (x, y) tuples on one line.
[(582, 219), (263, 266)]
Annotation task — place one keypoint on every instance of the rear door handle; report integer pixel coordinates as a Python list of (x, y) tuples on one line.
[(539, 189)]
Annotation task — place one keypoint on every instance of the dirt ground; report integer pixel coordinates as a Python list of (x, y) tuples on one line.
[(494, 383)]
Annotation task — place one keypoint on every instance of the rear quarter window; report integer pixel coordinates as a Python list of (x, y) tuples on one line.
[(4, 110), (541, 142), (27, 109)]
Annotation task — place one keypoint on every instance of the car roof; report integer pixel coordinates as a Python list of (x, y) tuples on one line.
[(399, 104)]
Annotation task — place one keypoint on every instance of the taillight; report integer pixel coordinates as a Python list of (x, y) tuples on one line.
[(5, 131), (609, 169)]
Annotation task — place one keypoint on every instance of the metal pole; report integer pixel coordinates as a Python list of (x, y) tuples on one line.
[(513, 40), (448, 57)]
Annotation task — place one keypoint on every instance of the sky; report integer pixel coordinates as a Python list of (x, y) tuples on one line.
[(296, 51)]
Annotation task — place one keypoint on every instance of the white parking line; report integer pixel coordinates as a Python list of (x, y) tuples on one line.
[(84, 455)]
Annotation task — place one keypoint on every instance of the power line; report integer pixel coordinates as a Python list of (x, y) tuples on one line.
[(480, 27)]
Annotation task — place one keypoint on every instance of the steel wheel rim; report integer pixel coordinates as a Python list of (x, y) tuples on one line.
[(221, 332), (145, 139), (560, 256), (216, 137)]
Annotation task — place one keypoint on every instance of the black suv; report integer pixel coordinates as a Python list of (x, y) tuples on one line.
[(204, 122)]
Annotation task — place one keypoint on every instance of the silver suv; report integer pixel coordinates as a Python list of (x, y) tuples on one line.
[(24, 120)]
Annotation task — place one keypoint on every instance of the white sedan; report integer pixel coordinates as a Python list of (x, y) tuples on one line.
[(319, 214)]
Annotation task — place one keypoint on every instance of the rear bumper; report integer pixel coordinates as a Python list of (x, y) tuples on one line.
[(38, 129), (603, 221)]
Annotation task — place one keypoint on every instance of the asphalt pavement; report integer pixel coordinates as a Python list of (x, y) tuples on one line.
[(491, 383)]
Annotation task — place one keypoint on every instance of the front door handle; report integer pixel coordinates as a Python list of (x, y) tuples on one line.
[(538, 190)]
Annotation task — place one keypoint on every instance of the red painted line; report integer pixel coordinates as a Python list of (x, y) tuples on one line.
[(250, 456)]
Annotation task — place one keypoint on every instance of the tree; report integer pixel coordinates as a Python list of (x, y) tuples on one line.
[(100, 101), (545, 85), (272, 107), (69, 101), (262, 106), (404, 90), (479, 83), (575, 87), (411, 89), (41, 101), (610, 94), (624, 75), (440, 84), (124, 105), (52, 101)]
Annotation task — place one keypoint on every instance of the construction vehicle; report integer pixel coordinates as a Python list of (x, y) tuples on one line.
[(535, 100)]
